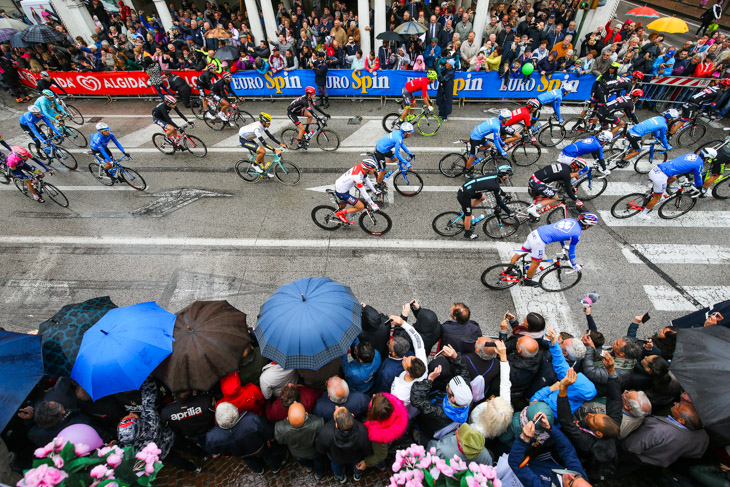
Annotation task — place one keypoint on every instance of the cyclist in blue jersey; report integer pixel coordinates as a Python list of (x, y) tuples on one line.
[(667, 172), (562, 231), (28, 122), (591, 145), (475, 191), (656, 126), (50, 106), (389, 147), (555, 97), (478, 137), (98, 143)]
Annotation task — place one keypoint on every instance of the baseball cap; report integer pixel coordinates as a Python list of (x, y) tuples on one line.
[(459, 388)]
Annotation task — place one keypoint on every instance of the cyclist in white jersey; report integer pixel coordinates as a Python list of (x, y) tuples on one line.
[(356, 176)]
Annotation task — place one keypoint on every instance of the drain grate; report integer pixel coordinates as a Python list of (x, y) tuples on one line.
[(95, 120)]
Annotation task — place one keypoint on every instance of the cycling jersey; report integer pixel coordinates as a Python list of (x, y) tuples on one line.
[(98, 142), (393, 142), (161, 114), (30, 121), (618, 85), (599, 92), (357, 177), (486, 184), (555, 173), (711, 94), (300, 105), (49, 108), (18, 165), (221, 89), (256, 130), (619, 104), (45, 84), (688, 163), (656, 126), (520, 115), (490, 126), (568, 229), (418, 84), (555, 97), (205, 81), (591, 145)]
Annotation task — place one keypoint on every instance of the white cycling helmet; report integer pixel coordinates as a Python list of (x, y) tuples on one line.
[(101, 126), (370, 164), (34, 109), (605, 136), (671, 114), (708, 153), (505, 114), (406, 127)]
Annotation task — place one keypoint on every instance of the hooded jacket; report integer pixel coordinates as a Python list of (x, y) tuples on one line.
[(344, 447), (245, 439), (374, 330), (383, 433)]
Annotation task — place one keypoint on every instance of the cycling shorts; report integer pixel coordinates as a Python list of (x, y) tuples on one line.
[(347, 198), (608, 118), (19, 174), (507, 131), (217, 97), (541, 189), (162, 123), (380, 157), (689, 111), (464, 200), (563, 159), (717, 168), (408, 97), (659, 179), (101, 156), (294, 116), (474, 146), (634, 141), (28, 131), (534, 245), (248, 144)]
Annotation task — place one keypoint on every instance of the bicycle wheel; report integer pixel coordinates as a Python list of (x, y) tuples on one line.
[(4, 175), (214, 122), (328, 140), (163, 144), (452, 165), (77, 138), (74, 114), (38, 154), (55, 194), (375, 223), (448, 224), (287, 173), (196, 107), (551, 135), (244, 118), (288, 136), (588, 189), (490, 165), (133, 179), (559, 279), (245, 171), (526, 154), (497, 227), (629, 205), (408, 183), (676, 206), (556, 215), (20, 184), (391, 121), (194, 145), (691, 135), (619, 145), (646, 161), (575, 127), (429, 124), (324, 217), (721, 190), (494, 278), (715, 144), (66, 158), (100, 175)]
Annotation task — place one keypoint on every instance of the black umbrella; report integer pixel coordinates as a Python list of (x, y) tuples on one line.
[(697, 318), (227, 53), (389, 35), (702, 366)]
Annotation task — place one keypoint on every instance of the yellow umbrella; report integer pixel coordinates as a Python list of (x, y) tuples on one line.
[(670, 25)]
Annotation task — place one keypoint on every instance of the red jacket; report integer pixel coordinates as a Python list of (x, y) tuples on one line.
[(307, 396), (704, 69)]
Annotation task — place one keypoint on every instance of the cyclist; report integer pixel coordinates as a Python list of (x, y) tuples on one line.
[(389, 147), (478, 137), (17, 162), (558, 172), (667, 172), (248, 134), (45, 82), (562, 231), (409, 100), (301, 107), (623, 84), (591, 145), (599, 96), (161, 116), (523, 115), (607, 113), (711, 95), (719, 159), (475, 191), (356, 176), (98, 142), (204, 83), (49, 105), (5, 144), (29, 123), (555, 97), (656, 126), (220, 91)]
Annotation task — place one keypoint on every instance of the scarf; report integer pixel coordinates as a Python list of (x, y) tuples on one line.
[(540, 437), (455, 413)]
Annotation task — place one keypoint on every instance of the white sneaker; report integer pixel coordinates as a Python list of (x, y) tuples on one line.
[(270, 174), (533, 211), (258, 169), (644, 216), (606, 171)]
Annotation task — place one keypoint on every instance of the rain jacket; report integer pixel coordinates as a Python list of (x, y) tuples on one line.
[(383, 433), (360, 376)]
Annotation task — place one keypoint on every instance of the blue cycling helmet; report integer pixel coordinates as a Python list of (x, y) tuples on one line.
[(47, 93), (505, 114), (588, 219), (505, 170)]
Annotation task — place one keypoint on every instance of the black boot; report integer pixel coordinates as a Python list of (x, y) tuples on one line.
[(326, 102)]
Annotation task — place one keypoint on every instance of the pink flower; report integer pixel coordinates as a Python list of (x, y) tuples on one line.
[(458, 464), (53, 477), (59, 443), (101, 472), (151, 449), (43, 452), (57, 461), (435, 473), (496, 483), (149, 469), (104, 451), (490, 473), (81, 450), (115, 459), (34, 476)]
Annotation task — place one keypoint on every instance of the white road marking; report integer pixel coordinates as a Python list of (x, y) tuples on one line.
[(138, 137), (367, 134), (613, 189), (80, 188), (665, 298), (233, 141), (679, 254), (693, 219)]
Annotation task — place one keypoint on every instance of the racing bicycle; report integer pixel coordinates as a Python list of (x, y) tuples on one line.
[(691, 131), (5, 173), (551, 133), (721, 187), (50, 152), (180, 142), (327, 139), (405, 180), (672, 205), (644, 161), (286, 172), (558, 210), (420, 117), (236, 116), (73, 113), (42, 188), (372, 222), (557, 276), (454, 164), (67, 133), (496, 225), (121, 174)]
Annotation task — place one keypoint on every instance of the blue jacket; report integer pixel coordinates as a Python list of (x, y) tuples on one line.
[(540, 474), (663, 60), (360, 376), (688, 163), (393, 142), (388, 371), (583, 147), (428, 59), (555, 97), (31, 121), (97, 141), (357, 403), (491, 126), (656, 126)]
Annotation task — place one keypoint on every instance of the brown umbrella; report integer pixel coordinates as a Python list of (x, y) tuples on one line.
[(210, 337), (218, 33)]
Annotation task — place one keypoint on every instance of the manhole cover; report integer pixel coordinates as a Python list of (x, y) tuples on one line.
[(94, 119)]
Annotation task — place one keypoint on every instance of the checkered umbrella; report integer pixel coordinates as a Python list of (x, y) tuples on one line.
[(7, 34), (37, 34), (17, 40), (308, 323)]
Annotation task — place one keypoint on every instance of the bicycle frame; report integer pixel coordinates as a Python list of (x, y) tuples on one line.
[(525, 265)]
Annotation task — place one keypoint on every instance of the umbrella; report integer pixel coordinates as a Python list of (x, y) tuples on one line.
[(643, 12), (17, 40), (410, 28), (210, 337), (218, 33), (308, 323), (701, 364), (6, 34), (227, 53), (670, 25), (6, 23), (121, 350), (21, 367), (389, 35), (62, 334), (41, 34)]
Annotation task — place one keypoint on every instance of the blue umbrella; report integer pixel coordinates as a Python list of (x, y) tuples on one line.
[(123, 348), (308, 323), (21, 367), (17, 40)]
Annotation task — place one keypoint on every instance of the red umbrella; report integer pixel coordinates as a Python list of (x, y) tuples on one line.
[(643, 12)]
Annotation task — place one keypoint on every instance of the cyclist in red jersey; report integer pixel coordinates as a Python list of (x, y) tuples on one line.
[(523, 115), (409, 100)]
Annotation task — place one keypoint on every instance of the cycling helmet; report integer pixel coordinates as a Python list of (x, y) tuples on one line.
[(671, 114), (44, 74), (34, 109), (708, 153), (227, 76), (212, 66), (725, 82), (101, 126), (369, 164), (505, 170), (406, 128), (264, 117), (20, 151), (48, 93), (637, 92), (431, 75), (170, 100), (638, 75), (310, 90), (533, 103), (577, 165), (605, 136), (504, 114), (588, 219)]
